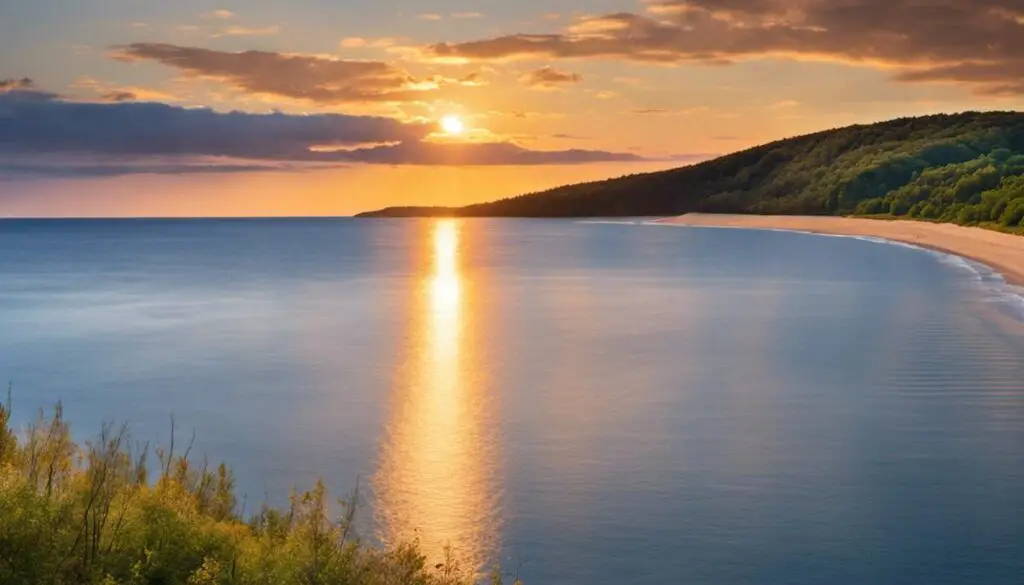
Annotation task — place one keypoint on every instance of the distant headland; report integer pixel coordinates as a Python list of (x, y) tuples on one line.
[(966, 169)]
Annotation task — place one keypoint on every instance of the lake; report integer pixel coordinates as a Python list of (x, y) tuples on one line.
[(596, 403)]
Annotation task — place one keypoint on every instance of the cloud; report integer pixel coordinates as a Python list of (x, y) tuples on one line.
[(784, 104), (549, 78), (429, 16), (494, 153), (119, 96), (473, 79), (30, 123), (76, 169), (306, 77), (467, 15), (666, 111), (23, 90), (245, 31), (219, 14), (975, 42), (14, 84), (117, 93), (989, 78), (44, 134), (360, 42), (353, 42)]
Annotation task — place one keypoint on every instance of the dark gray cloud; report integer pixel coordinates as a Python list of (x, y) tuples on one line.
[(119, 96), (41, 123), (550, 78), (13, 84), (306, 77), (40, 131), (976, 42)]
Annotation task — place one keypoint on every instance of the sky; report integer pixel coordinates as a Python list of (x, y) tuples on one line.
[(115, 108)]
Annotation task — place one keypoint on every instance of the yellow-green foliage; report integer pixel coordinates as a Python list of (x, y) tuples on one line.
[(91, 514)]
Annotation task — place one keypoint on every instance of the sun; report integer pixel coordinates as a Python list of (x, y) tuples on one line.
[(453, 125)]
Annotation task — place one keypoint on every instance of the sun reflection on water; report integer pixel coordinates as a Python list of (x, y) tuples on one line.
[(437, 480)]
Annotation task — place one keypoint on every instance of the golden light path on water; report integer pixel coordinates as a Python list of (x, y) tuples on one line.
[(437, 481)]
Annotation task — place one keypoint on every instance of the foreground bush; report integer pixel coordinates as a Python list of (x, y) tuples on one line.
[(98, 514)]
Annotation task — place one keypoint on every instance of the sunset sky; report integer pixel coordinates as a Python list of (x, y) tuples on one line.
[(326, 107)]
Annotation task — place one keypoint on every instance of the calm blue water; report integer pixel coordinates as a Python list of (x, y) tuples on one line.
[(591, 403)]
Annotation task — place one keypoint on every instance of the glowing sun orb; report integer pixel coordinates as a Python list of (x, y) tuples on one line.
[(452, 125)]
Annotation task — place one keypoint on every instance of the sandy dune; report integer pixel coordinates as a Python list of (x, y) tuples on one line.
[(1003, 252)]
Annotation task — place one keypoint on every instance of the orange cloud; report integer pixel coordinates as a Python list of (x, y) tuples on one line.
[(219, 14), (550, 78), (974, 42), (304, 77), (246, 31)]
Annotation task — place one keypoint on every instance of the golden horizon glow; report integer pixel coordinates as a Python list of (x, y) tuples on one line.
[(453, 125), (445, 127)]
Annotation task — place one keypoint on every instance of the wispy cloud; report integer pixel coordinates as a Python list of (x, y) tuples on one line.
[(550, 78), (668, 111), (360, 42), (247, 31), (353, 42), (220, 14), (73, 168), (783, 104)]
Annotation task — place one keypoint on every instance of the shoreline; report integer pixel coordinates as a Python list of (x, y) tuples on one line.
[(1003, 253)]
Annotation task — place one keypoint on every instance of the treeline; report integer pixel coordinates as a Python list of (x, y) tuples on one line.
[(97, 513), (963, 168)]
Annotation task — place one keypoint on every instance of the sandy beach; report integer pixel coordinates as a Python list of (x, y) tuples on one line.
[(1003, 252)]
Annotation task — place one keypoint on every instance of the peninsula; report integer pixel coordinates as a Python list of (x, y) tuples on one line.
[(954, 173), (964, 168)]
